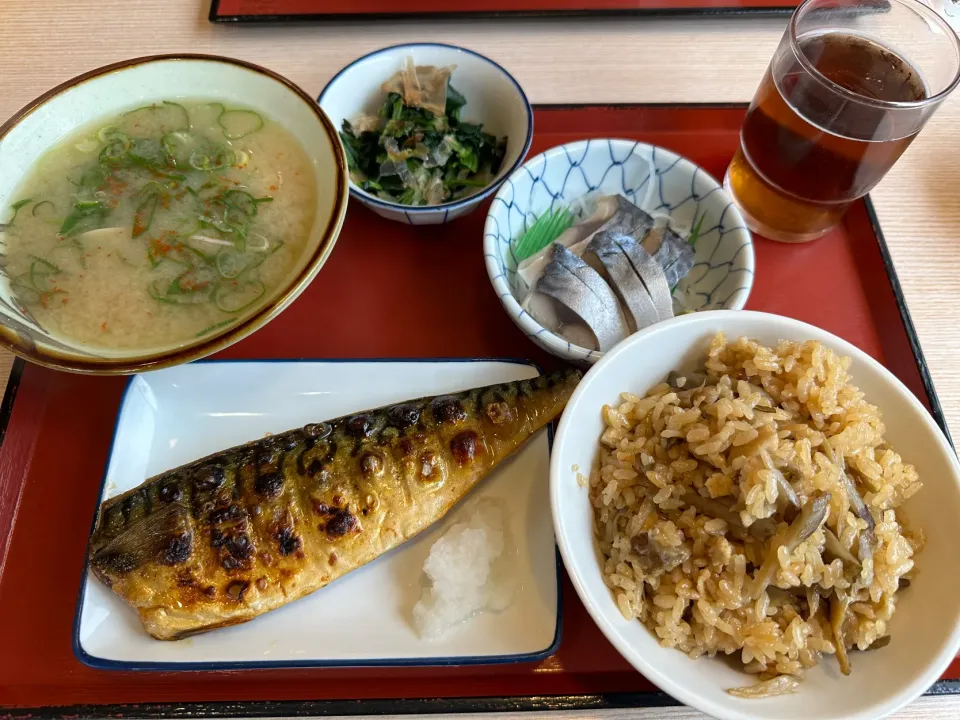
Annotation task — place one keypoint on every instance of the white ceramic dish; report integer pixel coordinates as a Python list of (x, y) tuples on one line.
[(494, 98), (173, 416), (112, 89), (669, 187), (925, 631)]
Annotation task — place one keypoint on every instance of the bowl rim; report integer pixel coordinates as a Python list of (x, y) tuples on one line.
[(913, 688), (217, 341), (366, 197), (531, 327)]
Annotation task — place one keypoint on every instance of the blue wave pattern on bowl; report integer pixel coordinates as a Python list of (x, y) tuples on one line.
[(656, 180)]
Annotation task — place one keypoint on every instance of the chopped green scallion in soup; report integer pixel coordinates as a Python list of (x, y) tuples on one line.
[(162, 225)]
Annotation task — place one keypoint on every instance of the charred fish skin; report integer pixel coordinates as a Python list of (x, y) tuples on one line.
[(233, 535)]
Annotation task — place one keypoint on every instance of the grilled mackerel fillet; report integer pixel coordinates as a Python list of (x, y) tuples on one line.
[(236, 534)]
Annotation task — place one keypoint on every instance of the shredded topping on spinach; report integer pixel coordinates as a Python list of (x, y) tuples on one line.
[(414, 156)]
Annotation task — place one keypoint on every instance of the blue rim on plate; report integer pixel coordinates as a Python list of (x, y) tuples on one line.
[(103, 664), (372, 199)]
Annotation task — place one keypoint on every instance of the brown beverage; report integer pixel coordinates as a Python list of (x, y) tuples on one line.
[(792, 175)]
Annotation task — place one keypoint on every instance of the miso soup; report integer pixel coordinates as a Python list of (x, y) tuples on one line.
[(159, 226)]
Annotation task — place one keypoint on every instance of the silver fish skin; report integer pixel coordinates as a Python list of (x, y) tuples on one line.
[(613, 212), (629, 220), (675, 256), (649, 271), (577, 286), (609, 259)]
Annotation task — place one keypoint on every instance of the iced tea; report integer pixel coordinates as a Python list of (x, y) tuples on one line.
[(834, 112)]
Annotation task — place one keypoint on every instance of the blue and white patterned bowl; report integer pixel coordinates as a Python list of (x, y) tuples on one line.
[(669, 187), (494, 98)]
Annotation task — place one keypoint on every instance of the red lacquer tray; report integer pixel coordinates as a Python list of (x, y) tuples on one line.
[(298, 10), (388, 290)]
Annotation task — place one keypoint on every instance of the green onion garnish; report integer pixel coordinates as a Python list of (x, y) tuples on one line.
[(16, 208), (173, 165), (547, 228), (695, 233), (239, 123), (236, 299), (42, 203)]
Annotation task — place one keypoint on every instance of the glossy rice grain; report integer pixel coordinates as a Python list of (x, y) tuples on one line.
[(753, 509)]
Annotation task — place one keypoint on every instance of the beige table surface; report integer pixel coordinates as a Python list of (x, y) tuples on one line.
[(44, 42)]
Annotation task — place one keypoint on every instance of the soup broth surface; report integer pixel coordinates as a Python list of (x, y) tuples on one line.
[(159, 226)]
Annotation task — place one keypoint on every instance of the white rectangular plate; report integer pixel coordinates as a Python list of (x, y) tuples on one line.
[(171, 417)]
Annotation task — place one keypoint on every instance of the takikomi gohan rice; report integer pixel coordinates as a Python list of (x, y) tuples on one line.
[(751, 508)]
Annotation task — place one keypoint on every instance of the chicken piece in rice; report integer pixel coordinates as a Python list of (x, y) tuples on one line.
[(752, 508)]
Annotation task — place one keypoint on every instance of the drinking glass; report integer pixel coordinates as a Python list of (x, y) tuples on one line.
[(848, 89)]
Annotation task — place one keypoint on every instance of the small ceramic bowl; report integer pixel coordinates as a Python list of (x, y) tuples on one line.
[(669, 187), (494, 98), (115, 88), (925, 629)]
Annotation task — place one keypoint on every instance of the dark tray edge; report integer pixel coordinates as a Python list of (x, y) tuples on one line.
[(331, 708), (10, 395), (430, 706), (728, 11)]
